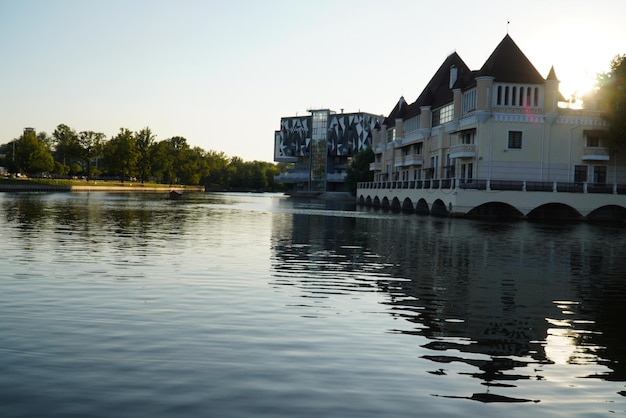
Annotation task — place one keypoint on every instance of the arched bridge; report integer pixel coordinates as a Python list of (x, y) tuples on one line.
[(563, 201)]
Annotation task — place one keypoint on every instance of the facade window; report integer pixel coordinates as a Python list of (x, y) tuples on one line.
[(593, 141), (515, 140), (517, 95), (443, 115), (599, 174), (580, 174), (412, 124), (467, 137), (391, 135), (469, 101), (536, 97), (450, 167), (434, 162), (419, 147), (467, 172)]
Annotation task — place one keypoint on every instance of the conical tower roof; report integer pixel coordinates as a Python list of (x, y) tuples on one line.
[(507, 63)]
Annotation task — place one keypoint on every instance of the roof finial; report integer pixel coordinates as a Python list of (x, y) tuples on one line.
[(507, 26)]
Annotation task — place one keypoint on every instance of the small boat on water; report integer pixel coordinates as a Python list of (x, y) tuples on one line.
[(175, 195)]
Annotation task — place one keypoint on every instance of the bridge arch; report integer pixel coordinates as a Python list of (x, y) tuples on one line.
[(376, 202), (495, 210), (608, 213), (439, 208), (385, 203), (554, 211), (422, 207), (395, 204), (407, 205)]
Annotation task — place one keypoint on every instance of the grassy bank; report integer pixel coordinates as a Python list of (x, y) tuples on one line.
[(78, 185)]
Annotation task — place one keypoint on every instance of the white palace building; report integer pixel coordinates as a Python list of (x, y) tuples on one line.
[(495, 142)]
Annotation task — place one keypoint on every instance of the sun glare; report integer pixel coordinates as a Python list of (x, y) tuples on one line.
[(576, 84)]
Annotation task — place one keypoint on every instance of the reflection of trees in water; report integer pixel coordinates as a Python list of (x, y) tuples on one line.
[(472, 288), (27, 211), (94, 222)]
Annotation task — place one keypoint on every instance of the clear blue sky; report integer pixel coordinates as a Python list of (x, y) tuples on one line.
[(223, 73)]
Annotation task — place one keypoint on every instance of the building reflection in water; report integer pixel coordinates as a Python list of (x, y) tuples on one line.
[(507, 299)]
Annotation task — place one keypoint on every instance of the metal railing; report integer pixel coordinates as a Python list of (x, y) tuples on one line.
[(501, 185)]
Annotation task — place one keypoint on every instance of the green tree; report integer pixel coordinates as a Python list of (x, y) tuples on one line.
[(359, 169), (32, 155), (91, 144), (120, 154), (162, 158), (218, 170), (192, 165), (67, 145), (144, 141), (46, 139), (612, 91)]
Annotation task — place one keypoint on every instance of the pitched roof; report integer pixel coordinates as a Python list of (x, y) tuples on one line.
[(507, 63), (436, 93)]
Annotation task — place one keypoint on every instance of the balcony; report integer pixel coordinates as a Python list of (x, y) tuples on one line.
[(292, 177), (595, 154), (463, 151), (376, 166), (336, 177), (414, 159)]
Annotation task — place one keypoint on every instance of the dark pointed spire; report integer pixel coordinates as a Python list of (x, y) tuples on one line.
[(552, 75), (507, 63)]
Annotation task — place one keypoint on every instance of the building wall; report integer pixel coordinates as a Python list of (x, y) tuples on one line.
[(346, 135), (553, 144)]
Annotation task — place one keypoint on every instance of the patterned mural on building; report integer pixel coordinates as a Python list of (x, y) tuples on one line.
[(294, 138), (349, 133)]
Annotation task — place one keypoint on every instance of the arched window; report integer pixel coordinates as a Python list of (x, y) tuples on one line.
[(506, 96), (499, 98), (536, 98)]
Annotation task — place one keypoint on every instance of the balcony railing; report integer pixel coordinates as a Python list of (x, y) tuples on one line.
[(414, 159), (500, 185), (336, 177), (596, 153), (292, 177), (463, 151)]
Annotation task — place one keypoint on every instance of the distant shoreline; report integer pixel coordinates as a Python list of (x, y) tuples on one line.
[(28, 187)]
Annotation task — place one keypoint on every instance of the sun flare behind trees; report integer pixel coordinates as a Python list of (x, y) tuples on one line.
[(612, 92), (135, 156)]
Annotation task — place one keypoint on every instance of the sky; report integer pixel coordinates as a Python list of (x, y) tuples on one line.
[(223, 73)]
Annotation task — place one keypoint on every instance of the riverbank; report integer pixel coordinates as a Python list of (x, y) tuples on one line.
[(25, 186)]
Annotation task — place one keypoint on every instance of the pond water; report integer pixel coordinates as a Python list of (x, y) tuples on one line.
[(233, 305)]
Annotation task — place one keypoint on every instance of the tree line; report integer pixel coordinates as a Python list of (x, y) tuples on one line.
[(132, 155)]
